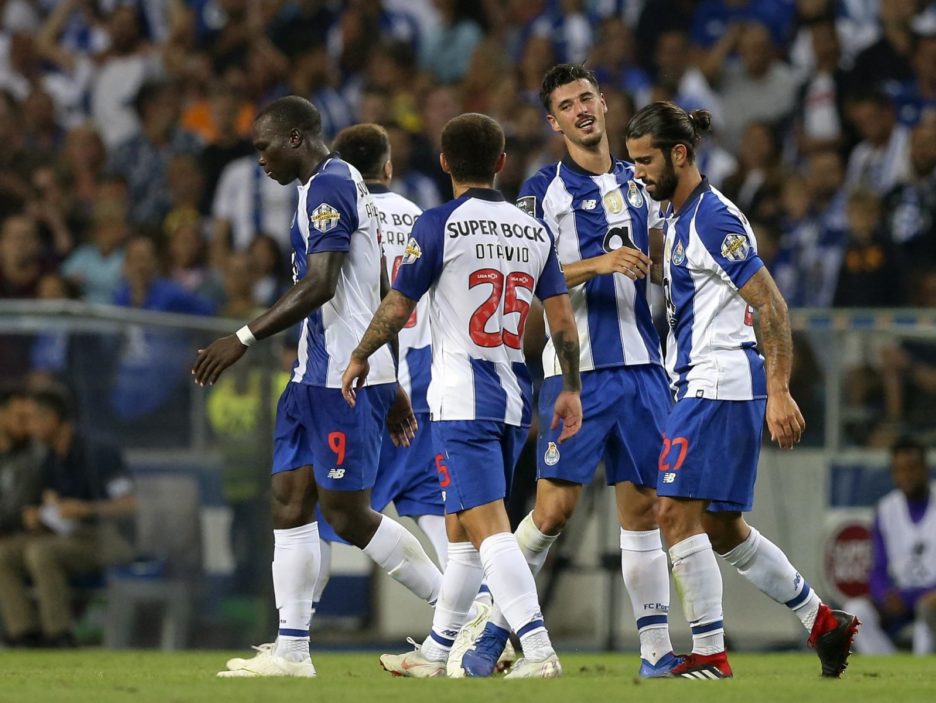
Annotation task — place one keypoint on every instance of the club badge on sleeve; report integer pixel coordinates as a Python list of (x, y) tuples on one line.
[(324, 218), (735, 247), (527, 204), (411, 252)]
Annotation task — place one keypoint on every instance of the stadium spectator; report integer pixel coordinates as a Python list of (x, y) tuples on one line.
[(613, 60), (412, 184), (20, 461), (447, 48), (238, 276), (675, 72), (22, 262), (271, 271), (226, 140), (757, 184), (902, 583), (882, 159), (16, 163), (911, 206), (96, 267), (187, 261), (73, 529), (888, 60), (820, 105), (82, 162)]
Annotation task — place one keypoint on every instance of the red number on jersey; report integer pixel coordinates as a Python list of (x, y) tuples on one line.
[(411, 322), (444, 479), (512, 304), (668, 445)]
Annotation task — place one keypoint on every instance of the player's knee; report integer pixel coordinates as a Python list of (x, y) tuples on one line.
[(551, 518), (291, 513)]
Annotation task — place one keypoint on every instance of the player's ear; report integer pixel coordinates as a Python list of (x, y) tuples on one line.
[(553, 124), (295, 138), (679, 155), (499, 164), (388, 170), (443, 162)]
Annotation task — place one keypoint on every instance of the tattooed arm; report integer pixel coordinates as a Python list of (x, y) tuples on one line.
[(656, 256), (394, 311), (562, 330), (384, 291), (784, 420)]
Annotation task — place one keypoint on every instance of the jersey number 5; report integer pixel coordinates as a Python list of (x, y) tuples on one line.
[(505, 287)]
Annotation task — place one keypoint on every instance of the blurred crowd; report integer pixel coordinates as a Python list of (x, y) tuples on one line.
[(127, 174)]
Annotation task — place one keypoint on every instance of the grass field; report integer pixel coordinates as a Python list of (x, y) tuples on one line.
[(104, 676)]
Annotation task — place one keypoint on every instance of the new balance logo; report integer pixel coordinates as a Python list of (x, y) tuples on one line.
[(669, 477), (336, 473)]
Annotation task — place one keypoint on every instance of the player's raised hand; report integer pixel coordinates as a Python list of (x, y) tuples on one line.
[(216, 357), (784, 419), (401, 421), (633, 263), (353, 378), (568, 410)]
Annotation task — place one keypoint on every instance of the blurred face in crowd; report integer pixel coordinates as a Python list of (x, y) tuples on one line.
[(756, 49), (795, 198), (265, 255), (924, 61), (825, 44), (124, 29), (863, 213), (141, 263), (52, 287), (923, 147), (577, 111), (19, 241), (161, 112), (185, 246), (825, 174), (909, 471), (185, 179), (874, 122), (672, 55), (44, 424), (757, 147), (898, 11), (238, 276), (401, 147), (39, 111), (16, 417), (84, 148), (654, 167)]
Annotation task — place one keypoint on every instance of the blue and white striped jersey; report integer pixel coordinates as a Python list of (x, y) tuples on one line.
[(709, 254), (592, 214), (397, 217), (336, 213), (481, 260)]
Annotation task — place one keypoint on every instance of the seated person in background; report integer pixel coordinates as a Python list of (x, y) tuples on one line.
[(903, 573), (20, 459), (85, 491)]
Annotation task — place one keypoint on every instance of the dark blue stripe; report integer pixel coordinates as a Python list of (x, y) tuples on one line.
[(710, 627), (530, 626), (758, 377), (490, 399), (649, 620), (525, 381), (286, 632), (484, 588), (800, 599), (601, 300), (317, 366), (682, 292), (444, 641), (642, 314)]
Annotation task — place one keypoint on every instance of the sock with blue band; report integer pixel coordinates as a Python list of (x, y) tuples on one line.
[(295, 570), (646, 578), (699, 584)]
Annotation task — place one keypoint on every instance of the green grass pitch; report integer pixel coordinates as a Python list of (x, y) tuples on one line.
[(103, 676)]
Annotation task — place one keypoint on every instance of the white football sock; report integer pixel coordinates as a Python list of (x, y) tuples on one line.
[(699, 584), (403, 558), (433, 526), (460, 582), (534, 546), (324, 573), (646, 578), (295, 569), (511, 582), (765, 565)]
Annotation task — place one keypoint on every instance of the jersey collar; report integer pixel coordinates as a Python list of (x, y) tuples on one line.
[(375, 187), (693, 196), (491, 194), (570, 164)]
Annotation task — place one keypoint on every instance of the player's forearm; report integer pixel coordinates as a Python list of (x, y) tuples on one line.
[(293, 307), (579, 272), (394, 311), (564, 335), (777, 343)]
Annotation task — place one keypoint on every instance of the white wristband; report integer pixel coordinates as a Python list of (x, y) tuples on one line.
[(246, 336)]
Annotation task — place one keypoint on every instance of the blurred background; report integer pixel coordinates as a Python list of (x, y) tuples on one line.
[(135, 226)]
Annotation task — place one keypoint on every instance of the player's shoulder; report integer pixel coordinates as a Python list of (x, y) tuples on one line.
[(716, 211)]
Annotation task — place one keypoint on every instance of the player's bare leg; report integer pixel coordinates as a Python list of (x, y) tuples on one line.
[(765, 565)]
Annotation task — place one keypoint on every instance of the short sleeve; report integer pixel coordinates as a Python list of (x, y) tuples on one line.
[(551, 281), (730, 244), (532, 192), (331, 206), (422, 257)]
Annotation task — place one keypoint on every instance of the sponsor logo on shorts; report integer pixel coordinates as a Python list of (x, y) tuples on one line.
[(336, 473), (551, 457), (669, 477)]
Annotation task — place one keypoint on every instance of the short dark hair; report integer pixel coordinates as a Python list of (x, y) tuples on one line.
[(561, 74), (670, 125), (870, 94), (55, 400), (906, 443), (293, 112), (150, 92), (13, 392), (364, 146), (472, 143)]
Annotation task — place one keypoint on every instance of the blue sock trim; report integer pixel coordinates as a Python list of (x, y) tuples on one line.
[(709, 627), (530, 626), (293, 633), (497, 631), (649, 620), (484, 588), (798, 600), (440, 640)]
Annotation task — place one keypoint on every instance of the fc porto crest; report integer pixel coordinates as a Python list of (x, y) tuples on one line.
[(324, 218), (411, 252), (679, 255), (735, 247), (551, 457), (634, 197)]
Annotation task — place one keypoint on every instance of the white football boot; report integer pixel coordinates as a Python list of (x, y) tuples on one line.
[(263, 650), (548, 668), (412, 664)]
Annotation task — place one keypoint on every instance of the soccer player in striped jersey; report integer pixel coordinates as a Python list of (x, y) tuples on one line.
[(713, 281), (323, 450), (480, 260), (601, 217), (406, 474)]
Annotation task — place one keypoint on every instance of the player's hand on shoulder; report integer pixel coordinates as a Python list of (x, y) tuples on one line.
[(568, 411), (216, 357), (633, 263), (401, 421), (784, 419), (354, 378)]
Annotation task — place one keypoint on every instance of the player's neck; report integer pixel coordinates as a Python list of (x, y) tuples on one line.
[(459, 189), (314, 158), (688, 183), (595, 159)]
